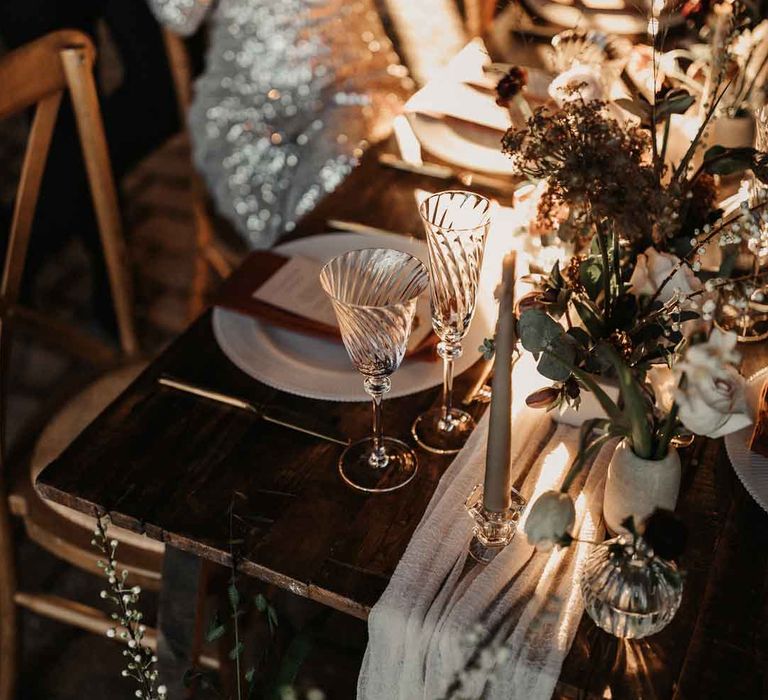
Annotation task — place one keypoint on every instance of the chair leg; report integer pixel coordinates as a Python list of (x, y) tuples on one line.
[(8, 629), (203, 241)]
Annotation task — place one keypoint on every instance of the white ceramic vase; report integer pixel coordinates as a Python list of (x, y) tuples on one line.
[(636, 486)]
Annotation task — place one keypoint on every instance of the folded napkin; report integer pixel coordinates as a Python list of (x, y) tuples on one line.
[(439, 608), (466, 91), (238, 294)]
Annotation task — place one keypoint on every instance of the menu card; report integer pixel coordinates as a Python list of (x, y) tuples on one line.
[(287, 293)]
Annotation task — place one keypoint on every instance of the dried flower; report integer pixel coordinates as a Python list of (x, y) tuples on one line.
[(592, 164), (665, 533), (622, 342), (512, 84)]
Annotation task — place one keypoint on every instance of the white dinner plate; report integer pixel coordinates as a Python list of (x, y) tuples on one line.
[(463, 144), (320, 368), (750, 467)]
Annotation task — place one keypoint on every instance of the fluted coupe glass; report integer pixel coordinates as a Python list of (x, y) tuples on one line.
[(457, 225), (374, 293)]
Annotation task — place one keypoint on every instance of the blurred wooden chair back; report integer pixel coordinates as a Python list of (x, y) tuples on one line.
[(36, 76), (211, 254), (478, 16)]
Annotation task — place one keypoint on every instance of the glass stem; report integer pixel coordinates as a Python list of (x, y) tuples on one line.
[(449, 352), (376, 388)]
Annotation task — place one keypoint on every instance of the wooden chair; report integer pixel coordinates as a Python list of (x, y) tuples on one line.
[(211, 254), (478, 16), (36, 76)]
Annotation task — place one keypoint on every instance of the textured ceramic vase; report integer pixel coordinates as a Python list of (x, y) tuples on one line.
[(636, 486)]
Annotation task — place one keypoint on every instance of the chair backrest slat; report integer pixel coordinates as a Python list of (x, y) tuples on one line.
[(38, 74), (34, 71), (35, 156)]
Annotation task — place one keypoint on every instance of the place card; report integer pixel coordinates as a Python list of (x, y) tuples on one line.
[(295, 287)]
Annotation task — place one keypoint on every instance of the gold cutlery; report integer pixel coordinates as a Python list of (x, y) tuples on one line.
[(236, 402), (364, 229), (444, 172), (480, 391)]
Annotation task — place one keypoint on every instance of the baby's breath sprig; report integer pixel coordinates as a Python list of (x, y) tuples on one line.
[(141, 660)]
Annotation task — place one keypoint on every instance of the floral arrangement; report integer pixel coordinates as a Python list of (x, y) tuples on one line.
[(638, 225), (708, 399)]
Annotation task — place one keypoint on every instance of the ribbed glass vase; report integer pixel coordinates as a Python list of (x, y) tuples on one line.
[(629, 592)]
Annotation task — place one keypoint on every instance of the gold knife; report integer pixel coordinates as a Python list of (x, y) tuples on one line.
[(444, 172), (236, 402)]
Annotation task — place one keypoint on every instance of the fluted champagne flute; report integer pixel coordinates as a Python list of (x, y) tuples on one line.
[(457, 225), (374, 293)]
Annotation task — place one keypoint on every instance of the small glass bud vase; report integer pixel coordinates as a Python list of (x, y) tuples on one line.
[(628, 591)]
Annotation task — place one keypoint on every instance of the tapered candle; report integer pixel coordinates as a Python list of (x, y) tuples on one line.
[(498, 479)]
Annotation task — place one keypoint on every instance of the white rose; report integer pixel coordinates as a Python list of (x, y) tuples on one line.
[(587, 79), (653, 267), (550, 518), (712, 402)]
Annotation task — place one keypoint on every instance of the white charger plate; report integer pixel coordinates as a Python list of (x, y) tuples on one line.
[(463, 144), (751, 468), (319, 368)]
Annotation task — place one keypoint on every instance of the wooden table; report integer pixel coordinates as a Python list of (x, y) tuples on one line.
[(168, 464)]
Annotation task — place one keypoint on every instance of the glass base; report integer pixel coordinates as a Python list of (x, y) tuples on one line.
[(357, 469), (493, 530), (436, 434)]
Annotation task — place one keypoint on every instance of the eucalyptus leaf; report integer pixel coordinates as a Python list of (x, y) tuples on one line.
[(537, 330), (216, 629), (557, 359), (676, 101), (580, 336), (591, 316), (591, 277), (234, 596), (236, 651), (638, 107), (719, 160)]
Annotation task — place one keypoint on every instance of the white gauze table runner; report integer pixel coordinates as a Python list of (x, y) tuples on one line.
[(434, 613)]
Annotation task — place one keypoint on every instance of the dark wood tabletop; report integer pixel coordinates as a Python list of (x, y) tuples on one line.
[(169, 465)]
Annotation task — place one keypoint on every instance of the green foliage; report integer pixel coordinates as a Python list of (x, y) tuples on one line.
[(719, 160)]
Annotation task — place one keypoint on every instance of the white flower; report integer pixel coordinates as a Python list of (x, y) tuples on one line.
[(712, 401), (663, 383), (653, 267), (550, 518), (587, 81)]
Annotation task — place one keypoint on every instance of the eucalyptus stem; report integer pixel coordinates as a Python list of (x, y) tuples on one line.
[(603, 244), (234, 601), (662, 447), (664, 143)]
